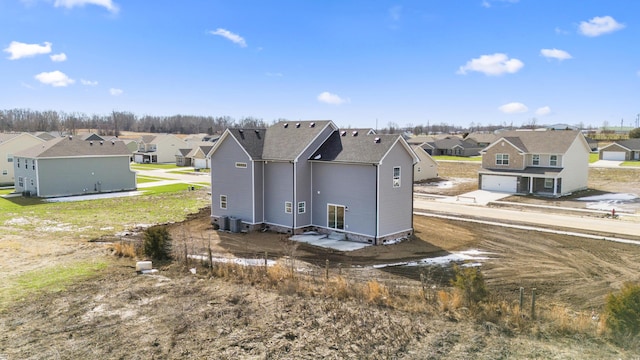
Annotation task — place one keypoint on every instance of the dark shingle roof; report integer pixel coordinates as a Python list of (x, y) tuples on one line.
[(184, 152), (74, 147), (354, 149), (287, 140), (252, 140), (631, 144)]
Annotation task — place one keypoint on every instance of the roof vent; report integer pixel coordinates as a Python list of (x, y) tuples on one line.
[(101, 142), (354, 133), (297, 125), (312, 125), (257, 131), (286, 125), (90, 143), (240, 131), (377, 140), (113, 142), (343, 133)]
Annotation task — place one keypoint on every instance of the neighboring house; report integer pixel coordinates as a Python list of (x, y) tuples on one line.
[(426, 168), (482, 139), (200, 156), (93, 137), (45, 135), (593, 144), (547, 162), (623, 150), (455, 146), (294, 177), (181, 157), (11, 143), (69, 166), (158, 148)]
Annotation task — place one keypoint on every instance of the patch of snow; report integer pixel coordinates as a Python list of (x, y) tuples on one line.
[(17, 221), (454, 257), (394, 241), (610, 197), (237, 261)]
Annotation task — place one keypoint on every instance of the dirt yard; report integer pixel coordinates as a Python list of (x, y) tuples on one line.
[(175, 314)]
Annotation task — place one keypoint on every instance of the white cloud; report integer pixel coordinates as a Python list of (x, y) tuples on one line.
[(230, 36), (545, 110), (58, 57), (20, 50), (599, 25), (513, 108), (333, 99), (115, 92), (54, 78), (107, 4), (492, 65), (487, 3), (88, 82), (555, 54)]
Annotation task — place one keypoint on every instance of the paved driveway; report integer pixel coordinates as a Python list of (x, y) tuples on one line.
[(606, 163)]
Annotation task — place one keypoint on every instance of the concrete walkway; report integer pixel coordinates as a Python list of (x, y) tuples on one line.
[(606, 164), (478, 197)]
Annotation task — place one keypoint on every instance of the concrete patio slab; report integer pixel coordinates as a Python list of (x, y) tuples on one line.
[(321, 240)]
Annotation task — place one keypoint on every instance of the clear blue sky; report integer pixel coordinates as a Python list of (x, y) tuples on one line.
[(459, 62)]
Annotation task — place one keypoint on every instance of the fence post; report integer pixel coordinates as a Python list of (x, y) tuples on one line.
[(326, 270), (533, 304), (521, 299), (266, 267)]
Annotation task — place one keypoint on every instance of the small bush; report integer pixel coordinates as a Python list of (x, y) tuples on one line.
[(623, 312), (124, 250), (157, 243), (471, 282)]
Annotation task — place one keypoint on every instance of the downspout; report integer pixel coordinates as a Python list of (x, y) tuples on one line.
[(37, 178), (294, 205), (375, 239)]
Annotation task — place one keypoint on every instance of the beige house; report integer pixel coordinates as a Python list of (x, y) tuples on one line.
[(543, 162), (158, 148), (426, 168), (11, 143), (624, 150)]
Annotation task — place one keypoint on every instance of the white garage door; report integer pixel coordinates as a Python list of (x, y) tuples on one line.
[(200, 163), (138, 159), (499, 183), (613, 155)]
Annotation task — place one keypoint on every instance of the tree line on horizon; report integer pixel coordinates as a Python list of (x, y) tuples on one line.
[(28, 120)]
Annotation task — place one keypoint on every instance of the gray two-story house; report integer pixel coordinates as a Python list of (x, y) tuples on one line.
[(309, 175), (71, 166)]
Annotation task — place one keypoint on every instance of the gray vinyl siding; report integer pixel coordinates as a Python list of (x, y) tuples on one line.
[(258, 191), (235, 183), (26, 173), (78, 176), (303, 178), (278, 188), (350, 185), (395, 204)]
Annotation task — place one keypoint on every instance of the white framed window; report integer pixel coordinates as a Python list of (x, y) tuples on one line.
[(32, 182), (20, 181), (18, 162), (302, 207), (535, 160), (223, 201), (548, 183), (502, 159), (396, 176), (553, 160), (5, 172), (241, 165), (288, 207), (335, 216), (33, 164), (9, 157)]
